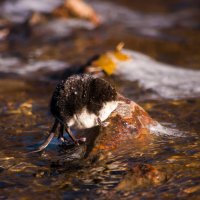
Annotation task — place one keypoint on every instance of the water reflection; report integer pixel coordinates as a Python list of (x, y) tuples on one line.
[(25, 119)]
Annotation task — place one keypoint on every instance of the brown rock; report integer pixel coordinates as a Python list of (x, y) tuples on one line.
[(83, 10), (141, 175), (76, 8), (128, 123)]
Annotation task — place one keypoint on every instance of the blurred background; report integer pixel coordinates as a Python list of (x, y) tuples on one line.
[(51, 30), (42, 41)]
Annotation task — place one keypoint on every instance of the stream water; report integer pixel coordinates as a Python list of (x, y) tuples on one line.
[(30, 67)]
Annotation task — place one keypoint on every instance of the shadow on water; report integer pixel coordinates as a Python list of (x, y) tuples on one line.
[(165, 166)]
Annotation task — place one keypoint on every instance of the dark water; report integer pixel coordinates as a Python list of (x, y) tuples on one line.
[(167, 31)]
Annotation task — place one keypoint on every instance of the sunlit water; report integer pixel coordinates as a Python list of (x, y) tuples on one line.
[(30, 70), (164, 80)]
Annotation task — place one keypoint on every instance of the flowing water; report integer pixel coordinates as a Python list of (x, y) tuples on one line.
[(31, 65)]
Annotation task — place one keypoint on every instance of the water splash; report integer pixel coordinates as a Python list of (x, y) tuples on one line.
[(165, 80), (149, 24), (15, 65), (59, 28), (17, 11), (161, 130)]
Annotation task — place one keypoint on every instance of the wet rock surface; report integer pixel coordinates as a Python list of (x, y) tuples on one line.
[(128, 123)]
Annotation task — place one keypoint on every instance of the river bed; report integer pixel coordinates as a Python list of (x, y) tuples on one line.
[(30, 68)]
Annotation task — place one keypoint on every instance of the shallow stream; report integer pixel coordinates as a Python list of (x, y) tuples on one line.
[(30, 67)]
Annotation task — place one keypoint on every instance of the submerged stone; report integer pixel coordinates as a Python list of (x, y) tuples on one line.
[(141, 175), (129, 122)]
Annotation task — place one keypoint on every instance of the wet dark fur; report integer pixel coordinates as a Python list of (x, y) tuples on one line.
[(78, 91)]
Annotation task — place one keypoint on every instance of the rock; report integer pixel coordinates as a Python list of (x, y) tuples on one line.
[(129, 122), (83, 10), (28, 19), (192, 189), (141, 175), (70, 8)]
